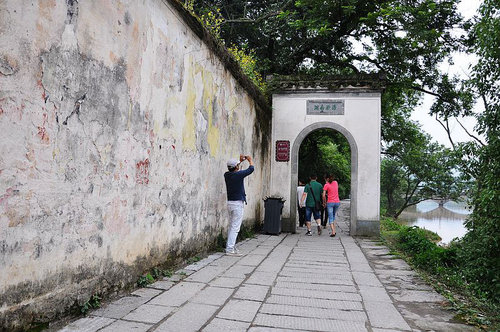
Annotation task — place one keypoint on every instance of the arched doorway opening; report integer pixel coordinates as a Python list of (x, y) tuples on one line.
[(297, 169), (326, 152)]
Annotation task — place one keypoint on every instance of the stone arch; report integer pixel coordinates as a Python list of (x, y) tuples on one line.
[(294, 158), (353, 111)]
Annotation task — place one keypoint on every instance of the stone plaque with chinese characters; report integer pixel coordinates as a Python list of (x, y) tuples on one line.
[(325, 107)]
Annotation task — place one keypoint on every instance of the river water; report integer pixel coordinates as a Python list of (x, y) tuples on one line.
[(447, 221)]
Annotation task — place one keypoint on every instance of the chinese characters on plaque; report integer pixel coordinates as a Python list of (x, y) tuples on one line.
[(282, 150), (325, 107)]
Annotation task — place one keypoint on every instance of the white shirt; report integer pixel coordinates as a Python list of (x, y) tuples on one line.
[(300, 192)]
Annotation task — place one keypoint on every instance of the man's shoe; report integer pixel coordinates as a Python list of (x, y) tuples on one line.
[(234, 253), (319, 230), (308, 233)]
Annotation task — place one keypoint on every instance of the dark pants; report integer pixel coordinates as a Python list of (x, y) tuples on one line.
[(324, 217), (302, 216)]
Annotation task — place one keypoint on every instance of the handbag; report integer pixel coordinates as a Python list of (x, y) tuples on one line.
[(317, 204)]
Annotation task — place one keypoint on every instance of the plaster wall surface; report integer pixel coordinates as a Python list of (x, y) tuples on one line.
[(360, 123), (116, 121)]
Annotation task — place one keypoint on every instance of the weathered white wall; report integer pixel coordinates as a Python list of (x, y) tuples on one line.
[(360, 122), (116, 120)]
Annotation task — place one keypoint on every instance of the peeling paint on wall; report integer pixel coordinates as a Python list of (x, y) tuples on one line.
[(117, 121)]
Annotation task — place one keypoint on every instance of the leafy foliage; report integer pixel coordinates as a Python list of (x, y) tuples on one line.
[(342, 36), (212, 20), (248, 64), (481, 245)]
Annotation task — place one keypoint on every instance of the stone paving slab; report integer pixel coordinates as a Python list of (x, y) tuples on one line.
[(292, 262), (252, 292), (207, 274), (227, 282), (314, 303), (323, 275), (262, 278), (306, 269), (213, 295), (121, 307), (240, 310), (178, 294), (251, 260), (262, 251), (87, 324), (308, 324), (121, 325), (204, 262), (239, 271), (366, 279), (161, 284), (271, 329), (148, 313), (146, 293), (385, 315), (369, 293), (190, 318), (325, 281), (316, 294), (349, 315), (219, 325), (317, 287)]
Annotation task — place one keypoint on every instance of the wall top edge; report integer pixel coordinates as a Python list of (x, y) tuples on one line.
[(360, 82), (330, 93)]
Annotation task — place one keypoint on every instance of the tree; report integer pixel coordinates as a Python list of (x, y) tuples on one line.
[(481, 245), (406, 40), (415, 170)]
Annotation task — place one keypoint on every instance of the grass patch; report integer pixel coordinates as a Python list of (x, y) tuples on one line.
[(155, 274)]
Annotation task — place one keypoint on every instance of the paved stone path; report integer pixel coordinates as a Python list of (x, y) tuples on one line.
[(289, 282)]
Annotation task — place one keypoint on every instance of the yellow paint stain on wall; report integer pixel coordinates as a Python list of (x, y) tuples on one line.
[(129, 115), (231, 105), (208, 100), (188, 132)]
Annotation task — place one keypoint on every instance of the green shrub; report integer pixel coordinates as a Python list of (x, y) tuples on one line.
[(419, 244), (414, 240), (93, 303), (389, 224), (145, 280)]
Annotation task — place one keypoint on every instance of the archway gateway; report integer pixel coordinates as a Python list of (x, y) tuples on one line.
[(349, 106)]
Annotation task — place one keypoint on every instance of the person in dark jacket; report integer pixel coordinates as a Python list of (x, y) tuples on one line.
[(236, 198)]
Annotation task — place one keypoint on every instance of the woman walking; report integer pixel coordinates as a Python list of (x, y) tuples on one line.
[(331, 189)]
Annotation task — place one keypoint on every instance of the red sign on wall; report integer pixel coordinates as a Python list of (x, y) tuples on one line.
[(282, 150)]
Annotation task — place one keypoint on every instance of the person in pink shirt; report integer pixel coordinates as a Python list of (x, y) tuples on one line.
[(331, 190)]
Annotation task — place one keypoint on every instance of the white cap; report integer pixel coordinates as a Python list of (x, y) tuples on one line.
[(232, 163)]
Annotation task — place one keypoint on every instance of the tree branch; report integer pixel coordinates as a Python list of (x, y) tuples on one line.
[(260, 18), (447, 129), (470, 135)]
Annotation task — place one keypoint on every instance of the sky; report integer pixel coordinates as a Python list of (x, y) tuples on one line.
[(467, 8)]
